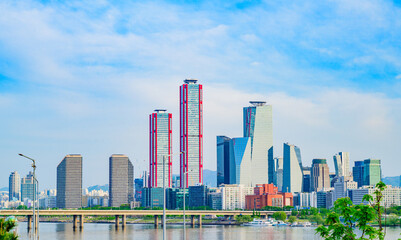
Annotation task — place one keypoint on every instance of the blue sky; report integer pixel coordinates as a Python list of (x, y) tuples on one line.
[(82, 77)]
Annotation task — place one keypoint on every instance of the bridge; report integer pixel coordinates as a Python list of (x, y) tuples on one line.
[(80, 214)]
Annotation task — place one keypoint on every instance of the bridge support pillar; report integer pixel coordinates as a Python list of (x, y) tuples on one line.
[(117, 221), (124, 220), (192, 220), (81, 221), (29, 222), (74, 221), (200, 220), (156, 221)]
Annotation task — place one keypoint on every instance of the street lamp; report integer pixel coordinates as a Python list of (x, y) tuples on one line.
[(164, 192), (184, 187), (35, 214)]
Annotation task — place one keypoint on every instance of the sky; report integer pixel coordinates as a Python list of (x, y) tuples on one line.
[(82, 77)]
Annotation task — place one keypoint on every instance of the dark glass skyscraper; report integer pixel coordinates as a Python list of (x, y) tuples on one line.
[(69, 182), (121, 180), (357, 172), (292, 170), (27, 187), (223, 160), (191, 132)]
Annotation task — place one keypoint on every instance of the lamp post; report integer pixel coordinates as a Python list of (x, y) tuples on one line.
[(35, 214), (164, 192)]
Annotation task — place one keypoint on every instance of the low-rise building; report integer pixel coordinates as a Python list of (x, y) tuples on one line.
[(268, 195)]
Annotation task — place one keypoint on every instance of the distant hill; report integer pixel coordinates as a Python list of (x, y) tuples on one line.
[(98, 187), (4, 189), (210, 178), (393, 181)]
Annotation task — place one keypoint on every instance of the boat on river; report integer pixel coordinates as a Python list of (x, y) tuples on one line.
[(258, 223)]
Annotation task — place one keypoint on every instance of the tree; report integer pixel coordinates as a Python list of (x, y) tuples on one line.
[(280, 216), (375, 203), (317, 218), (243, 218), (6, 226), (292, 219), (354, 216)]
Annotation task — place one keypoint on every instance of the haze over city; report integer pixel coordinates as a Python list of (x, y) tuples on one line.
[(80, 79)]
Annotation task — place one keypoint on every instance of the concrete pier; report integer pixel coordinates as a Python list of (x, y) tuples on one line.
[(156, 221), (124, 220), (29, 223), (74, 222), (117, 221), (81, 221)]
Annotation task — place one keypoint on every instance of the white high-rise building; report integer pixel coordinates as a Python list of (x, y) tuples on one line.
[(341, 164), (14, 186), (258, 126), (233, 196), (292, 169), (191, 133)]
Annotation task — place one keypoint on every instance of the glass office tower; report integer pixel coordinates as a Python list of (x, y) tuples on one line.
[(320, 178), (121, 180), (191, 132), (27, 187), (223, 159), (258, 126), (372, 173), (69, 182), (14, 186), (160, 146), (341, 164), (292, 170), (357, 173)]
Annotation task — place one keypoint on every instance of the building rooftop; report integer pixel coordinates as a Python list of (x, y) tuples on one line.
[(257, 103), (73, 155), (190, 80), (319, 161), (160, 110)]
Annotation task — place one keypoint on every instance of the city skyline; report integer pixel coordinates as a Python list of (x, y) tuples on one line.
[(333, 88)]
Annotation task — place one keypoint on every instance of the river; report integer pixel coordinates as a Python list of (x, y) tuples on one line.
[(93, 231)]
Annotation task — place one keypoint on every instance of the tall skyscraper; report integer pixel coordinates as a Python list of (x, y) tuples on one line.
[(27, 187), (258, 126), (372, 173), (14, 186), (191, 132), (160, 147), (341, 164), (121, 180), (357, 173), (223, 160), (306, 179), (69, 182), (320, 178), (292, 170), (278, 173)]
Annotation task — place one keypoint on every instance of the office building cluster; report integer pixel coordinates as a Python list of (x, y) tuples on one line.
[(249, 175)]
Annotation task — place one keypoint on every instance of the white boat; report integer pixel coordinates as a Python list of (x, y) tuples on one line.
[(258, 223)]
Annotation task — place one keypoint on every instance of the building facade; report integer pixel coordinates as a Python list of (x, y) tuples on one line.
[(258, 126), (160, 148), (233, 196), (341, 164), (372, 173), (27, 187), (198, 196), (191, 133), (121, 180), (278, 173), (14, 186), (357, 173), (223, 160), (292, 170), (69, 182), (342, 186), (268, 195), (320, 178), (306, 182)]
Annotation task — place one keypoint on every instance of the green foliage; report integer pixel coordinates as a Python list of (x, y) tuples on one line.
[(243, 218), (392, 220), (23, 207), (6, 226), (280, 216), (292, 219), (317, 218), (354, 217), (294, 213)]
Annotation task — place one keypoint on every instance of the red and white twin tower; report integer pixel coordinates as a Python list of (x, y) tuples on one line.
[(191, 139)]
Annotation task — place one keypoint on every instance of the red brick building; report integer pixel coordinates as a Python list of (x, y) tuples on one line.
[(268, 195)]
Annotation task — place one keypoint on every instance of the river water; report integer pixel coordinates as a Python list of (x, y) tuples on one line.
[(94, 231)]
